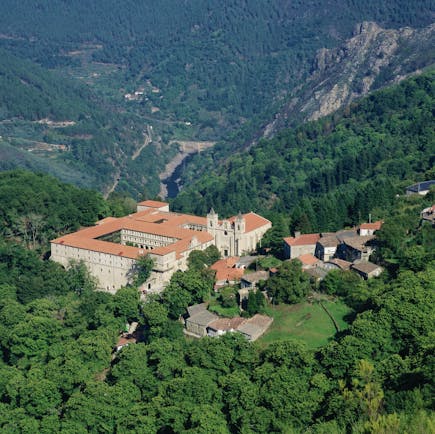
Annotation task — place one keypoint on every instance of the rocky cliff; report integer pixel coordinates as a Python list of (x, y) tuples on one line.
[(374, 57)]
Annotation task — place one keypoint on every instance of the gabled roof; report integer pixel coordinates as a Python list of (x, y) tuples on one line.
[(225, 269), (421, 186), (254, 327), (365, 267), (227, 324), (256, 276), (196, 308), (252, 221), (302, 240), (341, 263), (375, 226), (329, 241), (166, 224), (358, 243), (203, 318)]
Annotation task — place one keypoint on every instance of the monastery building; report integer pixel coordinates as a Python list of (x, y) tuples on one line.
[(111, 247)]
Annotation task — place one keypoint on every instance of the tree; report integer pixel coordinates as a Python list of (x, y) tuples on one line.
[(255, 302), (143, 268), (228, 297), (184, 289), (79, 278), (290, 284), (156, 317), (126, 302)]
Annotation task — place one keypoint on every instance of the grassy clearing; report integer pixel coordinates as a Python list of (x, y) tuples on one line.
[(305, 322), (227, 312)]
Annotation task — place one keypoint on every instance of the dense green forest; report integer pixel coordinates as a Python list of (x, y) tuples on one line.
[(331, 173), (59, 372)]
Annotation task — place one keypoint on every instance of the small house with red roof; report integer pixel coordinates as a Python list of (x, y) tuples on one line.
[(309, 261), (300, 245), (369, 228), (227, 272)]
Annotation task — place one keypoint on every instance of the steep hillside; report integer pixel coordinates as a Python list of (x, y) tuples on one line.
[(335, 170), (374, 57)]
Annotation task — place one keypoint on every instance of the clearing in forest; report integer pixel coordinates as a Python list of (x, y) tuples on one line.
[(306, 322)]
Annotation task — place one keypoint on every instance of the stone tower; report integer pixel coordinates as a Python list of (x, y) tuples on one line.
[(212, 222), (239, 230)]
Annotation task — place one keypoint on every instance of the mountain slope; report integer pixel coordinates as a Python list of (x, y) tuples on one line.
[(336, 169), (58, 125), (211, 63), (374, 57)]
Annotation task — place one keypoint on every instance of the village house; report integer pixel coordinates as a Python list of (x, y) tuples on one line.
[(336, 264), (255, 327), (251, 280), (224, 325), (111, 247), (366, 269), (300, 245), (326, 247), (201, 322), (369, 228), (198, 320), (355, 248), (227, 272), (309, 261)]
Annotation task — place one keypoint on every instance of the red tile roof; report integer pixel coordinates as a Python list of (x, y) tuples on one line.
[(153, 203), (225, 269), (372, 226), (252, 221), (150, 221), (172, 225), (308, 259), (302, 240)]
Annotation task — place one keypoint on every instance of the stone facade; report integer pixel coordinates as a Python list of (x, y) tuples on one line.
[(238, 235), (300, 245)]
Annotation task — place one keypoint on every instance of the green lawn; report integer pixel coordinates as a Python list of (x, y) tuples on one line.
[(306, 322)]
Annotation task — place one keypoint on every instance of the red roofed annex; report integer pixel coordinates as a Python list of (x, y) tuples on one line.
[(111, 247)]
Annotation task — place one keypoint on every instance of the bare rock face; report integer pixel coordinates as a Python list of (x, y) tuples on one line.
[(374, 57)]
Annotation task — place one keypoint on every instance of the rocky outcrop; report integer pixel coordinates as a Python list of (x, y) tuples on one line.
[(372, 58)]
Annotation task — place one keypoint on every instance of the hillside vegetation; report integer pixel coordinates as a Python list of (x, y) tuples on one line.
[(58, 125), (108, 72), (215, 64), (333, 172)]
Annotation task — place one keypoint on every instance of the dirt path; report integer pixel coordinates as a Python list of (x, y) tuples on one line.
[(147, 140), (114, 185)]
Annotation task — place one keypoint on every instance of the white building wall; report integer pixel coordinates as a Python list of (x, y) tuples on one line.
[(111, 271)]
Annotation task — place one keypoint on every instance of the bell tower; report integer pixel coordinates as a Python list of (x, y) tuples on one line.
[(212, 222), (240, 224), (239, 230)]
